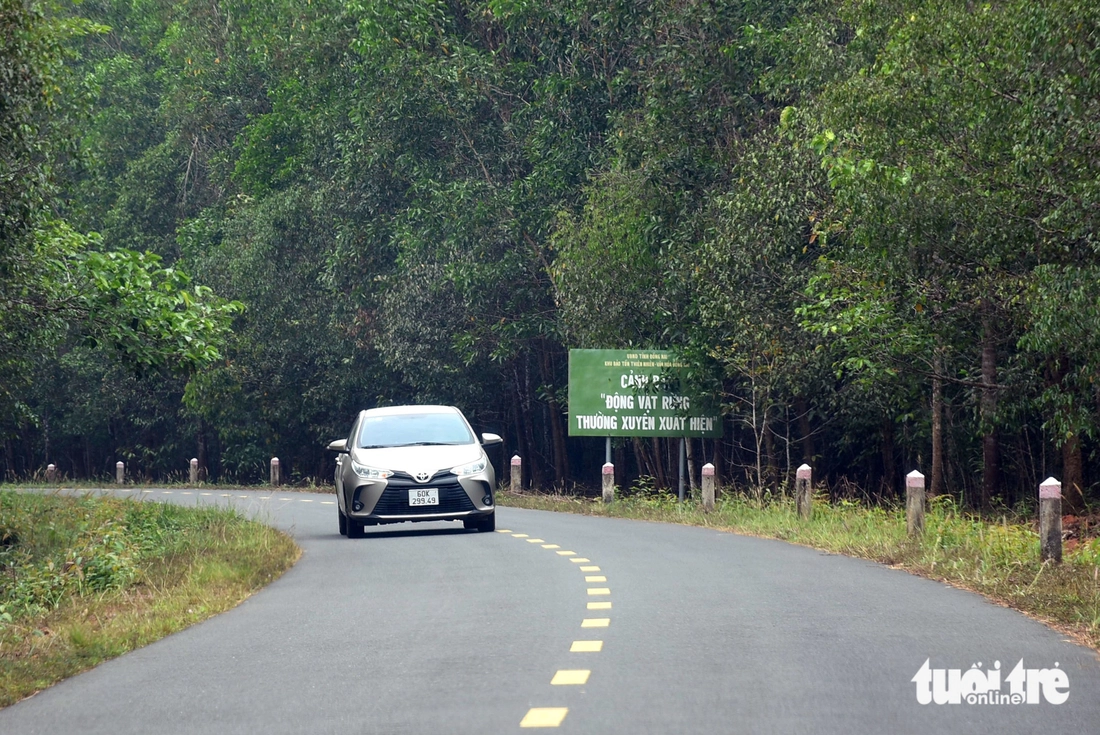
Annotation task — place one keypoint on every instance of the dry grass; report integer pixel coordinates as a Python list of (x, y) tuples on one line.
[(172, 567)]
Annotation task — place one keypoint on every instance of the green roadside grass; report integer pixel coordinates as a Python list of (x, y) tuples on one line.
[(85, 579), (996, 557)]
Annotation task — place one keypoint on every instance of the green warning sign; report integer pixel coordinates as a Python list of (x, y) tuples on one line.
[(633, 393)]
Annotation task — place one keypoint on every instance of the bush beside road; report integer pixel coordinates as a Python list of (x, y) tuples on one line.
[(85, 579)]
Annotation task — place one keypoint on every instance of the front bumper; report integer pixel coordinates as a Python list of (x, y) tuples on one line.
[(387, 501)]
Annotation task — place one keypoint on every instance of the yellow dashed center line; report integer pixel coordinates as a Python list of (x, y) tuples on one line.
[(328, 502), (206, 493), (544, 717), (554, 716), (146, 491), (304, 500), (187, 493), (242, 496), (567, 677), (225, 495), (586, 647), (165, 492)]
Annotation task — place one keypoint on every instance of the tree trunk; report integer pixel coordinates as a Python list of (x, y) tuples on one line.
[(772, 473), (805, 429), (889, 462), (557, 434), (662, 480), (1073, 477), (936, 484), (719, 460), (200, 440), (990, 450), (690, 451), (522, 447), (531, 464), (645, 467)]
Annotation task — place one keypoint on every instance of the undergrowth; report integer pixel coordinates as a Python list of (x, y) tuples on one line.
[(84, 579)]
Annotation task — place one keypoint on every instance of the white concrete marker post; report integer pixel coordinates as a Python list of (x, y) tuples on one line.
[(51, 473), (608, 482), (120, 472), (709, 480), (803, 491), (517, 474), (914, 503), (194, 470), (1050, 521), (276, 473)]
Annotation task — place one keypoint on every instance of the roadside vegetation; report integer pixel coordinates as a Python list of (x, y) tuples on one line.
[(84, 579), (996, 555), (868, 228)]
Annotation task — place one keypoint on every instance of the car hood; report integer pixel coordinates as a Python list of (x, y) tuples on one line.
[(418, 459)]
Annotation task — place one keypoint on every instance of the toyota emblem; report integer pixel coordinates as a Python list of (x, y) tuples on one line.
[(423, 476)]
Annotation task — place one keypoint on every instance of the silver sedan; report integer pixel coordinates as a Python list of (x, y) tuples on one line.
[(413, 463)]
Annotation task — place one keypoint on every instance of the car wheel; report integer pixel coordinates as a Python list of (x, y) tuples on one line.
[(488, 524), (355, 528), (343, 522)]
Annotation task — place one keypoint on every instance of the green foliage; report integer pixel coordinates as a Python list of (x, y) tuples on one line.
[(85, 579), (831, 208), (56, 548)]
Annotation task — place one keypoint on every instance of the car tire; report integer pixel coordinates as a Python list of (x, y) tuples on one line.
[(343, 522), (355, 528), (489, 523)]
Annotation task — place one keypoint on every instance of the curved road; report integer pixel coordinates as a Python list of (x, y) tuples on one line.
[(430, 629)]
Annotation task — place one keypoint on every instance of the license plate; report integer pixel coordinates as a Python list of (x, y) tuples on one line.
[(424, 496)]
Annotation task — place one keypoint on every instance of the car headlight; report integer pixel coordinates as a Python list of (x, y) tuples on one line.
[(470, 469), (369, 473)]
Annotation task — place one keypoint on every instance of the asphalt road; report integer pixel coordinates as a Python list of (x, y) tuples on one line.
[(430, 629)]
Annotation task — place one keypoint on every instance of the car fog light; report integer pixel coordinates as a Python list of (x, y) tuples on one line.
[(488, 500), (357, 506)]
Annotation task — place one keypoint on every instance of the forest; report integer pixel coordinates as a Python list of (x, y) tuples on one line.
[(868, 226)]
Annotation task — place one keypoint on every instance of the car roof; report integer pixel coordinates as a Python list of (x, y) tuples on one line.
[(405, 410)]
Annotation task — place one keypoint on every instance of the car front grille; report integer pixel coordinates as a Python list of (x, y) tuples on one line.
[(395, 498)]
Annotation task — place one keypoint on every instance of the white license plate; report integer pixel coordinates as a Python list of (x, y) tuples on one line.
[(424, 496)]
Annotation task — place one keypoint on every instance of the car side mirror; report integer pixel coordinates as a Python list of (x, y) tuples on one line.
[(488, 439), (340, 445)]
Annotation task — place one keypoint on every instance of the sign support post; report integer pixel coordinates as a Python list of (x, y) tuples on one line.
[(637, 393)]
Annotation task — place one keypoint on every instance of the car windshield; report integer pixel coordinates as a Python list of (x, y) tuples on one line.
[(413, 429)]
